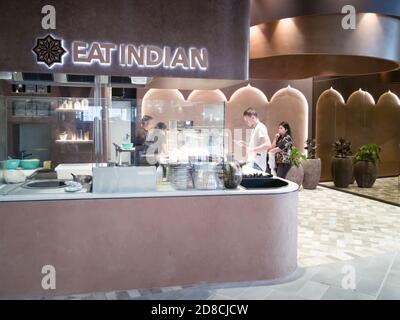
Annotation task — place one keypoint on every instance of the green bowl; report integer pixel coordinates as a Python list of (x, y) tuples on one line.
[(30, 164), (127, 146), (11, 164)]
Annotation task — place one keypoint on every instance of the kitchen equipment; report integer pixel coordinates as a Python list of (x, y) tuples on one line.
[(73, 186), (64, 170), (77, 105), (14, 176), (84, 179), (79, 134), (263, 182), (47, 164), (180, 176), (127, 146), (63, 135), (119, 149), (43, 174), (84, 103), (206, 175), (29, 163), (44, 184), (124, 179), (11, 164)]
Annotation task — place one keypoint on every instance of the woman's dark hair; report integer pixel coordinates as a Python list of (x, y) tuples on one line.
[(287, 127), (161, 126), (146, 119)]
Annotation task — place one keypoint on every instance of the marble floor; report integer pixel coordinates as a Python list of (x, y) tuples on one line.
[(337, 231), (386, 189)]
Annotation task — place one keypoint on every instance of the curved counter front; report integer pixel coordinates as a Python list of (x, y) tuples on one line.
[(103, 244)]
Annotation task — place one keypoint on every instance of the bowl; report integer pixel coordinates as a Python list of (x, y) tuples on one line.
[(11, 164), (30, 163), (127, 146)]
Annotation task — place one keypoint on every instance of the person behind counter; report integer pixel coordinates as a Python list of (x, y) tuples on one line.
[(259, 141), (281, 147), (157, 137), (157, 150), (141, 140)]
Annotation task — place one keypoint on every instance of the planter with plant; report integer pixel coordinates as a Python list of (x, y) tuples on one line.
[(311, 166), (296, 172), (342, 164), (366, 165)]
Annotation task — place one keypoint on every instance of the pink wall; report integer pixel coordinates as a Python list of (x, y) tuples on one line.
[(116, 244)]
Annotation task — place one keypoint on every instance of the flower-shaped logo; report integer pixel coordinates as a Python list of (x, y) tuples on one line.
[(49, 50)]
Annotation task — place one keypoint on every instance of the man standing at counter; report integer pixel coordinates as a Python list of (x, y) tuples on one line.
[(257, 148)]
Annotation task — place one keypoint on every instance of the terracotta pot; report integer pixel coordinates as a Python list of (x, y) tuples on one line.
[(312, 173), (296, 174), (365, 173), (342, 171)]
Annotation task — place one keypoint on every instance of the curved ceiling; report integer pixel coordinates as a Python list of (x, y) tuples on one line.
[(318, 45), (270, 10)]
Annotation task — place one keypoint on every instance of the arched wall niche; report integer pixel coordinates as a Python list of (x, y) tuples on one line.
[(361, 121), (287, 104)]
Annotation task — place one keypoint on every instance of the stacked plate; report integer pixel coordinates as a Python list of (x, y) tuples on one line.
[(180, 176)]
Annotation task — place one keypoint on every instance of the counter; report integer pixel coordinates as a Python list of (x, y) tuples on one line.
[(165, 190), (102, 242)]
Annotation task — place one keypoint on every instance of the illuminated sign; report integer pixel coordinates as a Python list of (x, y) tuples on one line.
[(49, 51)]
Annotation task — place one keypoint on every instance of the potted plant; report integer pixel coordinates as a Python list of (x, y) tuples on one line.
[(311, 166), (366, 165), (342, 164), (296, 172)]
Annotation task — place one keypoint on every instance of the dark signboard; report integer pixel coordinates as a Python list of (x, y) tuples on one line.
[(160, 38)]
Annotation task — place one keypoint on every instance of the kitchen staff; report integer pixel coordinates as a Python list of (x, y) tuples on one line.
[(259, 143), (141, 141)]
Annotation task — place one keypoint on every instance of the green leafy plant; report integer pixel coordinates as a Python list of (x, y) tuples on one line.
[(296, 156), (369, 152), (342, 148), (311, 147)]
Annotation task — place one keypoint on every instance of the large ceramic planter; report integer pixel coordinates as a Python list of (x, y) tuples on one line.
[(296, 174), (312, 173), (365, 173), (342, 171)]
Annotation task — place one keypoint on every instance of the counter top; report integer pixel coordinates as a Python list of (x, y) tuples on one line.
[(164, 190)]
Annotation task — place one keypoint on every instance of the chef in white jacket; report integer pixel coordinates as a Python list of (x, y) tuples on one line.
[(259, 143)]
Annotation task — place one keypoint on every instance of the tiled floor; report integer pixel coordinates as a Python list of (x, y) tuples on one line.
[(387, 189), (375, 278), (336, 230), (336, 226)]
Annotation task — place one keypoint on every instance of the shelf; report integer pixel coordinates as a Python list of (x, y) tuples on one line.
[(70, 110), (74, 141), (29, 119)]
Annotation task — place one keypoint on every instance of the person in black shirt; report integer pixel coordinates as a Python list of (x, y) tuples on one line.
[(140, 140), (282, 146)]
